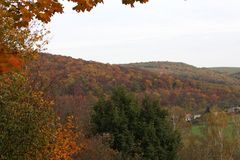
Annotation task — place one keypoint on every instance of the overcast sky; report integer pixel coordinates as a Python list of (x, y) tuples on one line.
[(203, 33)]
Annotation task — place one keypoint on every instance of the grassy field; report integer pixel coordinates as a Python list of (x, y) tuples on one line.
[(198, 128)]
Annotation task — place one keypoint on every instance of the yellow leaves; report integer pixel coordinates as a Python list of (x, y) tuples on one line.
[(217, 119), (17, 45), (65, 143)]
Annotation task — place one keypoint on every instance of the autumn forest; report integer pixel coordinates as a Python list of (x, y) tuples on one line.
[(55, 107)]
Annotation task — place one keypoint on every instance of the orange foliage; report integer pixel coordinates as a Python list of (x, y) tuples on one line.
[(65, 145), (8, 62), (18, 44)]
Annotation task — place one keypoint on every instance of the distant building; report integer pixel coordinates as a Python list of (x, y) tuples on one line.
[(196, 116), (188, 117), (234, 110)]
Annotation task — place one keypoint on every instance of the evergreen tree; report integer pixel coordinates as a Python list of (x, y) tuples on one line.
[(140, 131)]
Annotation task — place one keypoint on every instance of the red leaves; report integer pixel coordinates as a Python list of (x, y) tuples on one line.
[(9, 62)]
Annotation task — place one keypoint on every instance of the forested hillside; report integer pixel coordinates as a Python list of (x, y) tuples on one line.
[(212, 75), (71, 80), (59, 108), (236, 75)]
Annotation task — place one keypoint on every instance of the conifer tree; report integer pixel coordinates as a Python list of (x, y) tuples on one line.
[(139, 130)]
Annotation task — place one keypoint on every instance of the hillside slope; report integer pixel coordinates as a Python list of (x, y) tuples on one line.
[(68, 80), (236, 75), (187, 71)]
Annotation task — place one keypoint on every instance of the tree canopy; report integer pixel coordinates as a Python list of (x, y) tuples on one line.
[(29, 128), (140, 131), (19, 44)]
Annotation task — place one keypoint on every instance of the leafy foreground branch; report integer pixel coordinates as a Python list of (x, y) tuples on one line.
[(29, 129)]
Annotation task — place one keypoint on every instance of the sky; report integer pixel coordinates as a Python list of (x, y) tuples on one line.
[(204, 33)]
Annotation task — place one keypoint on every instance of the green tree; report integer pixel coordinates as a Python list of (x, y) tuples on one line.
[(157, 137), (117, 116), (139, 130), (26, 121), (219, 139), (29, 128)]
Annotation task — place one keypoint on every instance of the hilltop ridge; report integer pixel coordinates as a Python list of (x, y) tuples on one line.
[(184, 70)]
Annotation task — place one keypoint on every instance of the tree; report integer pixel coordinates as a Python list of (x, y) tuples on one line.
[(140, 131), (117, 116), (29, 129), (177, 116), (158, 138), (26, 121), (97, 148), (17, 45), (219, 139), (65, 143)]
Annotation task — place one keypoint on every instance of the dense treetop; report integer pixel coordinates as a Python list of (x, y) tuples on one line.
[(18, 44), (139, 130), (29, 127)]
